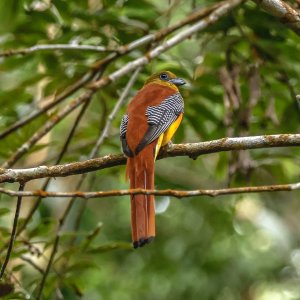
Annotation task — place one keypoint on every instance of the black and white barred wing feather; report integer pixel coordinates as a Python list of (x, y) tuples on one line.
[(123, 129), (160, 118)]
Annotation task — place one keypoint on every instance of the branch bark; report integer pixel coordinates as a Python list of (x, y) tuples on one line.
[(100, 65), (192, 150), (68, 91), (47, 127), (14, 230), (280, 9), (212, 18), (220, 11), (53, 47), (168, 192)]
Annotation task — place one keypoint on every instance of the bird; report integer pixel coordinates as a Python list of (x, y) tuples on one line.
[(151, 119)]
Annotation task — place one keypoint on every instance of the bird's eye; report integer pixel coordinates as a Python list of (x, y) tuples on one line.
[(164, 76)]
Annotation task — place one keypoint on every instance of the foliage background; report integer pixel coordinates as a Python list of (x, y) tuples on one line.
[(231, 247)]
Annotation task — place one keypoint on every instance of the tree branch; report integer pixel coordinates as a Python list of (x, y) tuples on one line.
[(192, 150), (212, 18), (32, 263), (14, 230), (46, 272), (114, 112), (46, 128), (58, 160), (280, 9), (103, 135), (63, 47), (184, 34), (99, 65), (68, 91), (168, 192), (158, 35)]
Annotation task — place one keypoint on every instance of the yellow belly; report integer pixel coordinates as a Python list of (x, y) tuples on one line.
[(165, 137)]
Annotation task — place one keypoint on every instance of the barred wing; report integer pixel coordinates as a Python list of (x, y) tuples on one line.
[(123, 126), (123, 129), (160, 118)]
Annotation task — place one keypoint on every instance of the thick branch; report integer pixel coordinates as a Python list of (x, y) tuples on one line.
[(184, 34), (168, 192), (286, 13), (192, 150)]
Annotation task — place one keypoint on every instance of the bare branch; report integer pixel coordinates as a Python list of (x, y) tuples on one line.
[(192, 150), (146, 39), (114, 112), (58, 160), (32, 263), (158, 35), (280, 9), (68, 91), (64, 47), (14, 230), (101, 139), (184, 34), (222, 10), (46, 272), (99, 65), (168, 192), (46, 128)]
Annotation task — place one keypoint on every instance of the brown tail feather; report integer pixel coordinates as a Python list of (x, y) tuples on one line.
[(140, 170)]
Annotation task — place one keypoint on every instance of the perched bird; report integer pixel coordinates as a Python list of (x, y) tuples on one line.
[(151, 120)]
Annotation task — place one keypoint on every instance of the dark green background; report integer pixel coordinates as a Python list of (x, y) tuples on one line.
[(230, 247)]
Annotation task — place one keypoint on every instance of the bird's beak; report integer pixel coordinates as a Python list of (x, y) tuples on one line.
[(177, 81)]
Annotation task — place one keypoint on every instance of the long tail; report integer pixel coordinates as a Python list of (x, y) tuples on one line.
[(140, 170)]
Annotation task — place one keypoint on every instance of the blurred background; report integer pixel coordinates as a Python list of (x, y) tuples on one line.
[(243, 77)]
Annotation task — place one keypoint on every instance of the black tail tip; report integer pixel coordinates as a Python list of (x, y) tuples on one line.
[(142, 242)]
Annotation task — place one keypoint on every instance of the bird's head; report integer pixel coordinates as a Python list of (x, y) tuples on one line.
[(166, 78)]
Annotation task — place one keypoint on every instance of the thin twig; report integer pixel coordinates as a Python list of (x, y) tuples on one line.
[(62, 221), (46, 272), (168, 192), (100, 65), (192, 150), (158, 35), (100, 140), (81, 180), (146, 39), (184, 34), (212, 18), (62, 153), (91, 236), (16, 281), (32, 263), (63, 47), (114, 112), (68, 91), (13, 232), (54, 120)]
